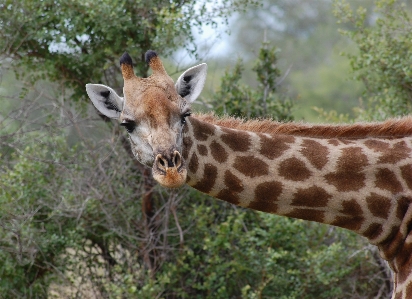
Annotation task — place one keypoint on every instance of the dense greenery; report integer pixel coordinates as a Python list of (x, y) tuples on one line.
[(235, 98), (72, 223), (383, 62)]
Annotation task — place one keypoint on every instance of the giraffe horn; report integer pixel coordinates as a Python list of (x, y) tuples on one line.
[(126, 64), (155, 63)]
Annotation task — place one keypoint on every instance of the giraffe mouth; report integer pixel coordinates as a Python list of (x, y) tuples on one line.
[(169, 171)]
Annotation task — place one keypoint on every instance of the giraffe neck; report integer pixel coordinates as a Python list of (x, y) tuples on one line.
[(361, 184)]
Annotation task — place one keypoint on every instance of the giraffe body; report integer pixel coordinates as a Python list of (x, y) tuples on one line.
[(358, 177)]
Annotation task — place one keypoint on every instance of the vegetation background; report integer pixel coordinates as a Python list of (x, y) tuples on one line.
[(80, 219)]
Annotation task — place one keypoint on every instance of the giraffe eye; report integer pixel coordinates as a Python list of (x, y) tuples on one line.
[(183, 117), (129, 125)]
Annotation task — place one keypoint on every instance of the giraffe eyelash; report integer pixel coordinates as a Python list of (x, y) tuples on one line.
[(183, 117)]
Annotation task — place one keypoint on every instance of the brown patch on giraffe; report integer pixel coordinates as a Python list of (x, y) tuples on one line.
[(374, 230), (349, 174), (202, 150), (392, 244), (376, 145), (404, 260), (266, 195), (351, 223), (386, 179), (334, 142), (408, 289), (237, 140), (311, 197), (218, 152), (351, 207), (293, 169), (229, 196), (307, 214), (251, 166), (398, 295), (185, 129), (193, 163), (187, 145), (407, 175), (402, 207), (355, 218), (233, 182), (208, 179), (202, 131), (392, 155), (274, 147), (316, 153), (378, 205), (399, 152)]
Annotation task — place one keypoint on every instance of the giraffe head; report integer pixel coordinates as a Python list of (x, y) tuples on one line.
[(153, 111)]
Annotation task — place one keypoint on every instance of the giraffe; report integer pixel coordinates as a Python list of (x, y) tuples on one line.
[(356, 176)]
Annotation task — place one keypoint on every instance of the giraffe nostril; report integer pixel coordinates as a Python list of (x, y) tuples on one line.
[(161, 163), (177, 159), (164, 162)]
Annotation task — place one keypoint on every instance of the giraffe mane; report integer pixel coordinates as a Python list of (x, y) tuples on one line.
[(391, 128)]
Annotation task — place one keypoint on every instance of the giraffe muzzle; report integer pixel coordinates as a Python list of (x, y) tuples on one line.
[(169, 170)]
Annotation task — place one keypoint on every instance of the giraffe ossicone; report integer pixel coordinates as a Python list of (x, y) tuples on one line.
[(357, 176)]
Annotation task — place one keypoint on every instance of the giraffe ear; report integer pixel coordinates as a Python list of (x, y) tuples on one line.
[(191, 82), (105, 100)]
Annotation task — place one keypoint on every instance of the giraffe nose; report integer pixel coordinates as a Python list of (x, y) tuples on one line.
[(164, 161)]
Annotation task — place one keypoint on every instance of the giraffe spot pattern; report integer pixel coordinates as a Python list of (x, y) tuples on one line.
[(307, 214), (266, 195), (218, 152), (373, 231), (351, 207), (232, 182), (311, 197), (251, 166), (351, 223), (406, 172), (274, 147), (391, 245), (237, 141), (399, 152), (193, 163), (202, 149), (348, 175), (208, 179), (389, 154), (402, 207), (294, 170), (316, 153), (345, 141), (398, 296), (202, 131), (404, 260), (187, 145), (377, 145), (378, 205), (334, 142), (229, 196), (386, 179)]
